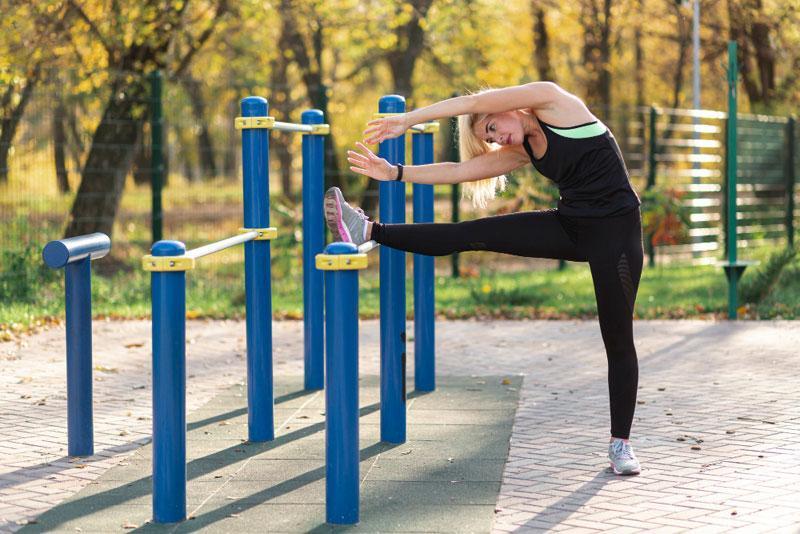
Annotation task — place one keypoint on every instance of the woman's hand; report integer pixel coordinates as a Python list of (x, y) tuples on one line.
[(368, 164), (385, 128)]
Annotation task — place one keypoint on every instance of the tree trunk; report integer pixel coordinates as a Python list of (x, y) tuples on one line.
[(59, 146), (402, 60), (639, 57), (10, 123), (205, 146), (541, 43), (97, 202), (596, 24)]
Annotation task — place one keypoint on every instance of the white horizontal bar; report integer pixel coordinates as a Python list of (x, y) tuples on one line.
[(368, 246), (211, 248), (292, 127)]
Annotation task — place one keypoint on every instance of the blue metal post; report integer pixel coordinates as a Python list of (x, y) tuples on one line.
[(313, 243), (424, 345), (169, 388), (78, 292), (341, 391), (258, 286), (75, 254), (393, 291)]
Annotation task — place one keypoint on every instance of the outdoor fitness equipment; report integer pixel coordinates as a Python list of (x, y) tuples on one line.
[(75, 255), (168, 264), (341, 263)]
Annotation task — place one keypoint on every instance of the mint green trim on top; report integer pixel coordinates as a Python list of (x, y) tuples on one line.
[(580, 132)]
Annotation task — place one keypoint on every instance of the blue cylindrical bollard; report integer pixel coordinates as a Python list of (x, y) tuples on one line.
[(75, 255), (393, 291), (169, 388), (78, 289), (313, 243), (341, 391), (258, 287), (424, 344)]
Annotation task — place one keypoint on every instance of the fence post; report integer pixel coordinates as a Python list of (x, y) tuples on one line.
[(313, 243), (424, 316), (258, 285), (651, 176), (341, 262), (790, 180), (732, 270), (393, 290), (156, 154), (169, 386)]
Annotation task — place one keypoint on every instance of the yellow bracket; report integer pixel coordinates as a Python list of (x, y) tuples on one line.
[(167, 263), (341, 262), (427, 127), (264, 234), (246, 123), (320, 129)]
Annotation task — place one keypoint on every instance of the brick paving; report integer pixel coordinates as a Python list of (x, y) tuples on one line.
[(717, 426)]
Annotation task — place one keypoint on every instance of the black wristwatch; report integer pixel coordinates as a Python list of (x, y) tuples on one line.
[(399, 173)]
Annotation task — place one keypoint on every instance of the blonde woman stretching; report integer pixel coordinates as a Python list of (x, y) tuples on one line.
[(597, 219)]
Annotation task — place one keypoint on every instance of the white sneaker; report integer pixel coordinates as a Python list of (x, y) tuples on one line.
[(623, 461)]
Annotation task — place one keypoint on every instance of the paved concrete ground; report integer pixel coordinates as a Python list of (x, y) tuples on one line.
[(717, 426)]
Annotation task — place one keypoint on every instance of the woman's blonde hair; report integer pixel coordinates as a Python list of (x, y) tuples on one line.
[(470, 146)]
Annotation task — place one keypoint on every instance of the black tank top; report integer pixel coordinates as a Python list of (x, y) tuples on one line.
[(586, 164)]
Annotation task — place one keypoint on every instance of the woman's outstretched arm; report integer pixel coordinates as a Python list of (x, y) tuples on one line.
[(494, 163), (544, 97)]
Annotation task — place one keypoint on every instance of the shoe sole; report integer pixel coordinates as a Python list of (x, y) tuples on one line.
[(623, 473), (333, 215)]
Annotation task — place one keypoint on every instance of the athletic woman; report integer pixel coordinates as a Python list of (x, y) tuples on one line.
[(597, 219)]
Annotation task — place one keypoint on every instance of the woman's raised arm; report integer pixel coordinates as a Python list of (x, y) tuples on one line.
[(535, 95)]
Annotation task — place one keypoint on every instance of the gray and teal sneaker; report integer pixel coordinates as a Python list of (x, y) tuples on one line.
[(345, 222), (623, 461)]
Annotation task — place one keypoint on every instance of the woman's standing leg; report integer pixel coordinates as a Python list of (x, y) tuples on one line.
[(615, 260)]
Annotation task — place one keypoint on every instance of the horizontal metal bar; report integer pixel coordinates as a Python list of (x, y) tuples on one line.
[(211, 248), (368, 246), (292, 127)]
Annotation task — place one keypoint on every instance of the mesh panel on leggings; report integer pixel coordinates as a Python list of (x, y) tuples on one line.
[(624, 272)]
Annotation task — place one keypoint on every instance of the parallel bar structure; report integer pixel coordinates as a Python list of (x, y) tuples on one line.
[(258, 283), (392, 200), (75, 255), (424, 307), (169, 386), (341, 263), (168, 264)]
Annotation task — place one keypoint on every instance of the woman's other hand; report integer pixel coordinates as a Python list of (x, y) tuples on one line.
[(367, 163), (385, 128)]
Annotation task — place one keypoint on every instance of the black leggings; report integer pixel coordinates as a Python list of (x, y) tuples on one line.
[(611, 245)]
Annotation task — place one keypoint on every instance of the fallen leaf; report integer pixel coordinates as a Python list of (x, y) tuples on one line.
[(506, 382), (406, 453), (104, 369), (134, 345)]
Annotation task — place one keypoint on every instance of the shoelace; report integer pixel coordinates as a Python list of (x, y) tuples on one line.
[(361, 212), (623, 450)]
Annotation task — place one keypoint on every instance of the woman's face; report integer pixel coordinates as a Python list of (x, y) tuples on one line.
[(502, 128)]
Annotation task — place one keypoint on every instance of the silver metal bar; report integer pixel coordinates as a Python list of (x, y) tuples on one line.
[(211, 248), (292, 127), (368, 246)]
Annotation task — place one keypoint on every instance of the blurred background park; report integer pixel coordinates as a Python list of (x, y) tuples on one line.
[(83, 81)]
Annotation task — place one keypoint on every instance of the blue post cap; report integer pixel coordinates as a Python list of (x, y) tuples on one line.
[(312, 116), (59, 253), (168, 248), (254, 106), (392, 104), (340, 247)]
